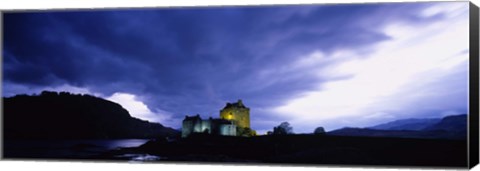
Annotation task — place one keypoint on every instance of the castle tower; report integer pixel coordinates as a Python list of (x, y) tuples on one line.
[(190, 125), (238, 113)]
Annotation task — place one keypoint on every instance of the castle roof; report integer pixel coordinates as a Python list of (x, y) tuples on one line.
[(196, 117), (238, 104)]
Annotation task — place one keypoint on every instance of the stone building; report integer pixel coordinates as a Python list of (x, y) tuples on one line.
[(238, 113), (195, 124), (234, 117)]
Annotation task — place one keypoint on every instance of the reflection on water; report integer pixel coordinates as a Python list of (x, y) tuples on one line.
[(65, 149), (140, 157)]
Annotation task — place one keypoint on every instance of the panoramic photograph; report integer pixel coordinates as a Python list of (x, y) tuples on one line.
[(382, 84)]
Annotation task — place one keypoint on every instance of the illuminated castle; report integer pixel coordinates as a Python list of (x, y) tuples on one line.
[(234, 121), (238, 113)]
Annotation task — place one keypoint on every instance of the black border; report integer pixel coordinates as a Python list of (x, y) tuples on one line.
[(473, 142)]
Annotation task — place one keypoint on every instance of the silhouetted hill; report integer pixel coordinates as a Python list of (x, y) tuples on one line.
[(407, 124), (53, 115), (364, 132), (456, 123), (450, 127)]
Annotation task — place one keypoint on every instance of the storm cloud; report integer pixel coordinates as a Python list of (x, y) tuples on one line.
[(184, 61)]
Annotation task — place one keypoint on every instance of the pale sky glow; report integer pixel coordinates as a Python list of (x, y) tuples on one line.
[(138, 109), (395, 65)]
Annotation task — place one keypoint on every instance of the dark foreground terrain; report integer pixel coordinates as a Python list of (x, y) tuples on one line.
[(305, 149)]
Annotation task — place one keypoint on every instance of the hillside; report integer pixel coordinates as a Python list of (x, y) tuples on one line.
[(363, 132), (454, 123), (407, 124), (449, 127), (53, 115)]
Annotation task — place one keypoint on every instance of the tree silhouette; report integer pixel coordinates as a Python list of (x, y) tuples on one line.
[(319, 131), (283, 129)]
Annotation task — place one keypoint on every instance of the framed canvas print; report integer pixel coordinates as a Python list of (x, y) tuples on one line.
[(359, 84)]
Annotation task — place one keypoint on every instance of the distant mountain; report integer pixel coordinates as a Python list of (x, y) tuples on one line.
[(456, 124), (363, 132), (450, 127), (53, 115), (407, 124)]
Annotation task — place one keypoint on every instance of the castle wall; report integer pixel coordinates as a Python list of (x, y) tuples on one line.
[(228, 130), (211, 126), (206, 125), (187, 128), (241, 116), (197, 126), (193, 125)]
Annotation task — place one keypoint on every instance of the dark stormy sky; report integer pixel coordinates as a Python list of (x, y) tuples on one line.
[(349, 65)]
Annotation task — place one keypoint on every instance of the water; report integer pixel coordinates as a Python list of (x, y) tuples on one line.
[(68, 149), (140, 157)]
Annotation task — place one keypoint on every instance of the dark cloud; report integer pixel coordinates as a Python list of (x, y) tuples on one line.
[(190, 60)]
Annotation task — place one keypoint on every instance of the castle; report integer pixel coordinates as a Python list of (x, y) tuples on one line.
[(234, 121)]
